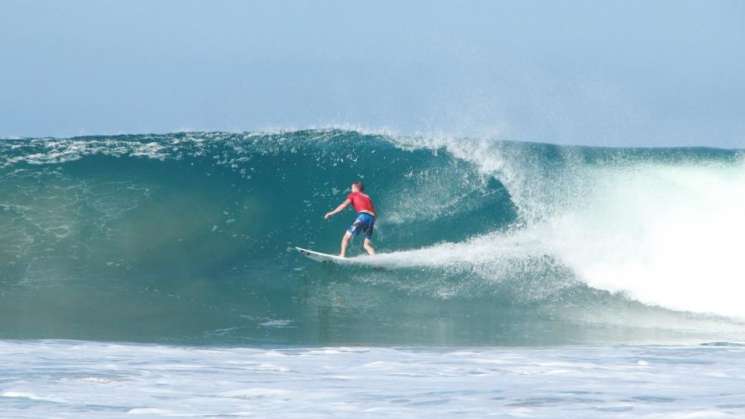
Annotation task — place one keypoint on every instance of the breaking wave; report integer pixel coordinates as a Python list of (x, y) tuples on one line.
[(185, 237)]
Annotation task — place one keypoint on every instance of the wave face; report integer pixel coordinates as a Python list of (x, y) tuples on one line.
[(184, 237)]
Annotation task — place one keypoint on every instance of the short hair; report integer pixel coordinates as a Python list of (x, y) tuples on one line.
[(359, 185)]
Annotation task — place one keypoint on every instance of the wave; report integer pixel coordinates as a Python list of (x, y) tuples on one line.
[(184, 237)]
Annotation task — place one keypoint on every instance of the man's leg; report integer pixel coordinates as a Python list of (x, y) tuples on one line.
[(345, 243), (367, 244)]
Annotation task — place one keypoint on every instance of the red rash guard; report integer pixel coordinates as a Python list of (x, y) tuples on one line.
[(361, 202)]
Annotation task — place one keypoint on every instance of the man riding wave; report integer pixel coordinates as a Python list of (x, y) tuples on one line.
[(365, 221)]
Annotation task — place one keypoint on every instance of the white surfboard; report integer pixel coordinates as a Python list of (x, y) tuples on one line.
[(323, 257)]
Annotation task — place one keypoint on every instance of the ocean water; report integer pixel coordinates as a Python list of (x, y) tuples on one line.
[(89, 379), (153, 275)]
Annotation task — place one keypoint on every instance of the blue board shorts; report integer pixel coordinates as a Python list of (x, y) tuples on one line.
[(364, 223)]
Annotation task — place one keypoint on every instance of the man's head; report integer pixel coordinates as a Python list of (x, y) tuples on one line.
[(357, 186)]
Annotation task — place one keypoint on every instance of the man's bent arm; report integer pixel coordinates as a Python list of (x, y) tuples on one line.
[(338, 209)]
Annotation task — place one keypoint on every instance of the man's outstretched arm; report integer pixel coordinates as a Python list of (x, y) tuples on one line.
[(338, 209)]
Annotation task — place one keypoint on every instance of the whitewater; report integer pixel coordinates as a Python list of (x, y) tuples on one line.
[(135, 268), (107, 380)]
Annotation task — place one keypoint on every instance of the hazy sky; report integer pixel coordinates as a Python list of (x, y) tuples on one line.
[(582, 72)]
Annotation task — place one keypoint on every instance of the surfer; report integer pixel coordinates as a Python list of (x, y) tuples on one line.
[(365, 221)]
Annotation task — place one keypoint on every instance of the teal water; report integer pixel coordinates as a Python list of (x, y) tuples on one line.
[(184, 238)]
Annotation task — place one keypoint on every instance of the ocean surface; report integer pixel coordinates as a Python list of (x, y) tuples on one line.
[(71, 379), (154, 275)]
